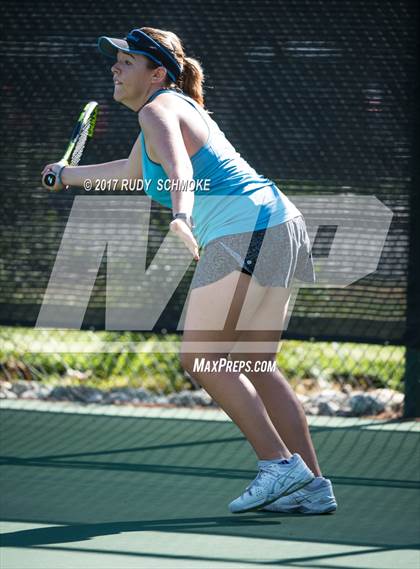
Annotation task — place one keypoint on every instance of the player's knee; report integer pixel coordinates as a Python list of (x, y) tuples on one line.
[(202, 364), (187, 360), (255, 364)]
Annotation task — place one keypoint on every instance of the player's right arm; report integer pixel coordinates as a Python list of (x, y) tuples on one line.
[(126, 169)]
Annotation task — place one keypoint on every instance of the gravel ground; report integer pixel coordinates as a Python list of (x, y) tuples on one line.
[(383, 403)]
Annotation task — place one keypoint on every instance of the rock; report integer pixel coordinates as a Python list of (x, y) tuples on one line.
[(139, 393), (329, 408), (302, 398), (329, 402), (187, 398), (201, 397), (329, 395), (92, 395), (20, 386), (160, 400), (310, 409), (30, 394), (7, 394), (364, 404), (181, 399), (117, 396), (392, 400), (68, 393), (345, 411)]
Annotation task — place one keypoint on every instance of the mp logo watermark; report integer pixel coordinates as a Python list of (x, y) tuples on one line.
[(136, 297)]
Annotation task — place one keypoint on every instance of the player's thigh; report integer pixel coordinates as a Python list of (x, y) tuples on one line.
[(213, 311), (261, 340)]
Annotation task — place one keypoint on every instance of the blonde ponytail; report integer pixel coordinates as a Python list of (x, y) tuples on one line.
[(192, 79)]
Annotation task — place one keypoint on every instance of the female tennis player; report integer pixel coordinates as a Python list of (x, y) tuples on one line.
[(253, 242)]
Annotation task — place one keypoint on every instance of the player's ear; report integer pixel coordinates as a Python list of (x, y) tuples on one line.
[(159, 74)]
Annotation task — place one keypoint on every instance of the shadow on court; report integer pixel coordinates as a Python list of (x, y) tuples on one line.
[(158, 489)]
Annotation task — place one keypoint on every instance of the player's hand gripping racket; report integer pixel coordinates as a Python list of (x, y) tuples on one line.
[(83, 130)]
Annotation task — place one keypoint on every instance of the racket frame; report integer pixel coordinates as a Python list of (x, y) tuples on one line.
[(89, 113)]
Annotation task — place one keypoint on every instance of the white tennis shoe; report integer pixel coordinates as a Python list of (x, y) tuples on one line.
[(317, 497), (274, 479)]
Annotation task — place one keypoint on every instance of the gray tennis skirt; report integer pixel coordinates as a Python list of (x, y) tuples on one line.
[(274, 256)]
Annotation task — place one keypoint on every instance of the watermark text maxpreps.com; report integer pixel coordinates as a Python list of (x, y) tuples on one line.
[(223, 364)]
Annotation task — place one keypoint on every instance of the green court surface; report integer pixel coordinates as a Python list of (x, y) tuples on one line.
[(124, 487)]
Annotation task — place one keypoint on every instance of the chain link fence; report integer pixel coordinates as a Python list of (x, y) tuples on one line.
[(330, 378), (333, 87)]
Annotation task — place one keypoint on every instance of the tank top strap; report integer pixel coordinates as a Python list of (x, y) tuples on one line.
[(155, 94)]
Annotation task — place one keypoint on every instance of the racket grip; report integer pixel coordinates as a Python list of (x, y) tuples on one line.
[(49, 179)]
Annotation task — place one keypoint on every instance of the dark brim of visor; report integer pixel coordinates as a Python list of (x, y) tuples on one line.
[(110, 46)]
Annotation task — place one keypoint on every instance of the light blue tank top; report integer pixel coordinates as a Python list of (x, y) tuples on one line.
[(238, 199)]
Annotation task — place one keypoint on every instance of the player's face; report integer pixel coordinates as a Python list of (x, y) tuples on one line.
[(132, 79)]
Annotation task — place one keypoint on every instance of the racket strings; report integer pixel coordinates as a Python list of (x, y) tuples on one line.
[(80, 144)]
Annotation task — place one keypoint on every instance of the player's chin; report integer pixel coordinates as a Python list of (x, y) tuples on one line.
[(118, 93)]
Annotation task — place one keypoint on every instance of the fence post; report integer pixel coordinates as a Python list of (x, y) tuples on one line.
[(412, 383), (412, 336)]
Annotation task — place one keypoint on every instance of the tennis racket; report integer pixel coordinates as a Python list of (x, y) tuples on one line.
[(83, 130)]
